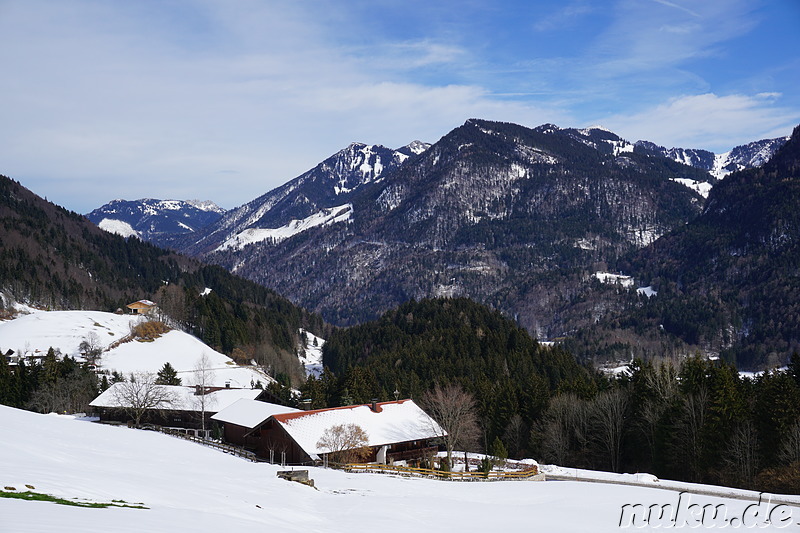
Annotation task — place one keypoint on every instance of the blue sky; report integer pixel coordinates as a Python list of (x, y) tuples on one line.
[(225, 100)]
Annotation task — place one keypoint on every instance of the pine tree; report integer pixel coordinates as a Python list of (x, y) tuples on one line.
[(498, 450), (6, 386), (168, 375)]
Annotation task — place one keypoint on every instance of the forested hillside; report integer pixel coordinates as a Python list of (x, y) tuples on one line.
[(57, 259), (728, 281), (449, 341)]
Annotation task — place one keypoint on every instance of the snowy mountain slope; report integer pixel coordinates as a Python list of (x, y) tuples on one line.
[(323, 218), (330, 184), (35, 333), (118, 227), (750, 155), (186, 487), (65, 330)]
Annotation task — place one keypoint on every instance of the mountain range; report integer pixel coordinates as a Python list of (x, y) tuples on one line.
[(529, 221)]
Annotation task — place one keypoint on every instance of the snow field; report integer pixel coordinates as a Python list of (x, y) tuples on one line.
[(187, 487), (65, 330)]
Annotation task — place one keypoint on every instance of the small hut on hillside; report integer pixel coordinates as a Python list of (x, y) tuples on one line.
[(142, 307)]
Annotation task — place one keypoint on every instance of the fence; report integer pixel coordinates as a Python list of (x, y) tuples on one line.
[(532, 473), (227, 448)]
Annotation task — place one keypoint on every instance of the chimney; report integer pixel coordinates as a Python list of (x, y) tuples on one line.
[(227, 384), (374, 405)]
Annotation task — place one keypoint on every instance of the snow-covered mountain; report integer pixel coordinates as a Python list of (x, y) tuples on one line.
[(750, 155), (155, 220), (481, 213), (317, 197)]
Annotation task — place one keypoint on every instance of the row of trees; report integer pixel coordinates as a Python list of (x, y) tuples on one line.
[(697, 421), (57, 384)]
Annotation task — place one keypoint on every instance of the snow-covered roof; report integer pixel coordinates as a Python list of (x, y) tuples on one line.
[(250, 413), (184, 398), (399, 421)]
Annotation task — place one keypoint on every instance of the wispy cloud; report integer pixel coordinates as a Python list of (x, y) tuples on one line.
[(565, 16), (708, 121), (677, 6)]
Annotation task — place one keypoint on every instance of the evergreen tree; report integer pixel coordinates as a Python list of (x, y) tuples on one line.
[(498, 450), (167, 375)]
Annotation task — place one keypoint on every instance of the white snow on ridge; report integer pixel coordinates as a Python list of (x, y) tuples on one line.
[(326, 217), (620, 147), (206, 205), (119, 227), (648, 291), (721, 160), (614, 279), (588, 131), (700, 187), (417, 147)]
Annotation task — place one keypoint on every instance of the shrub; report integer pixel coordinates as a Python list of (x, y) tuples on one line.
[(149, 331)]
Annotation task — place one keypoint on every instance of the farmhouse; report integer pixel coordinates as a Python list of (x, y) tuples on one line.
[(396, 431), (242, 421), (176, 407)]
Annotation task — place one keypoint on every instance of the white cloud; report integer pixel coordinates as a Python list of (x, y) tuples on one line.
[(651, 36), (565, 16), (707, 121)]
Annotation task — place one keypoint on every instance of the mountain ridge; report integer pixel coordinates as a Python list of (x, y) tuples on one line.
[(475, 215)]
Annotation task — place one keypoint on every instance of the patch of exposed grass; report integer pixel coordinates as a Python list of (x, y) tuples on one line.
[(39, 497)]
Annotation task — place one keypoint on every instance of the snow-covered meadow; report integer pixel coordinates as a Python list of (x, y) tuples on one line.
[(36, 332), (187, 487)]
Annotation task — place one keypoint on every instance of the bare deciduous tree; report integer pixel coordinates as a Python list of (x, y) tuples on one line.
[(455, 411), (608, 410), (689, 430), (346, 443), (662, 381), (564, 430), (91, 348), (204, 376), (790, 446), (742, 458), (140, 394), (515, 436)]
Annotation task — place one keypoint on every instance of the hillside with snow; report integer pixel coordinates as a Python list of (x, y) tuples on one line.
[(32, 334), (176, 485)]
